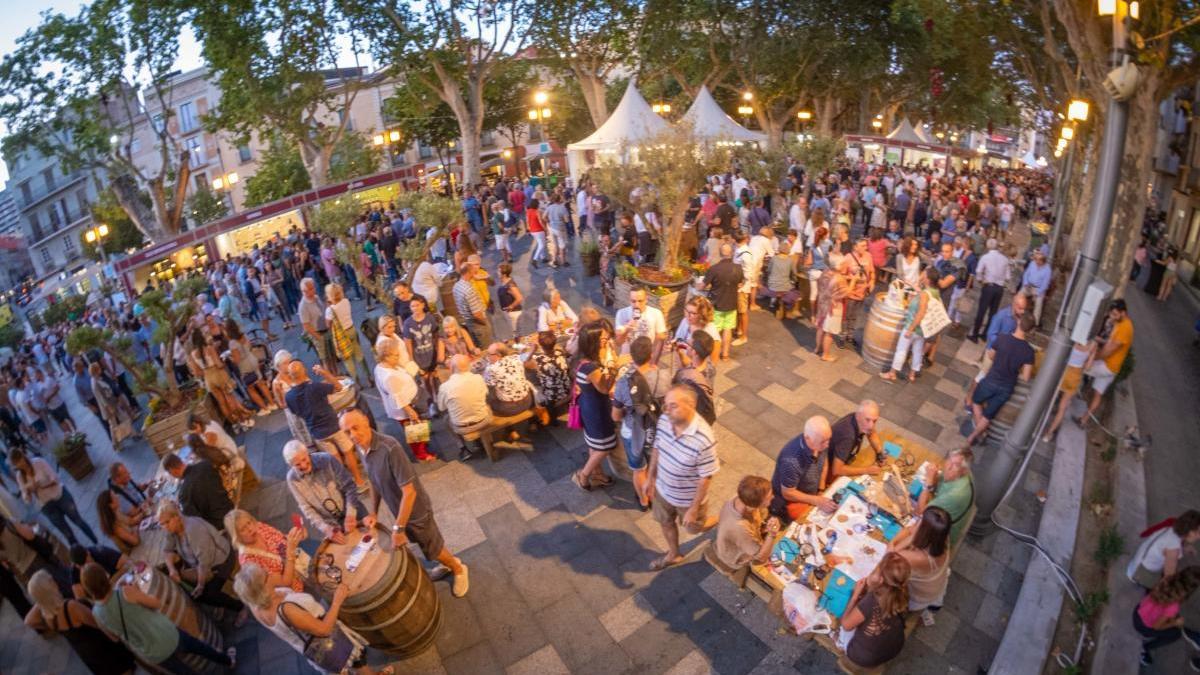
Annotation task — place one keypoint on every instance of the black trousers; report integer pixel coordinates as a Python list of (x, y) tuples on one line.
[(989, 304)]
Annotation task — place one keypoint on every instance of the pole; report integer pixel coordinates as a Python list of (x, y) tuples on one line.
[(994, 477), (1060, 204)]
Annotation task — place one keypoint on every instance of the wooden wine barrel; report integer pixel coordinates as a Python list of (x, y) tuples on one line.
[(179, 607), (392, 602), (882, 332)]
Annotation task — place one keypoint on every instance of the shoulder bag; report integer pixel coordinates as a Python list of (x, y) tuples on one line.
[(574, 414), (331, 653)]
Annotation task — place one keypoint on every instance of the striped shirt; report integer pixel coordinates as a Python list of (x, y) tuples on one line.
[(684, 459), (467, 299)]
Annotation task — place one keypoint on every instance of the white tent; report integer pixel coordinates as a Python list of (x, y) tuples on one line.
[(632, 122), (925, 136), (710, 123), (905, 132)]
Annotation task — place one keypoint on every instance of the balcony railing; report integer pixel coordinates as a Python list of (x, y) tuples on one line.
[(59, 185)]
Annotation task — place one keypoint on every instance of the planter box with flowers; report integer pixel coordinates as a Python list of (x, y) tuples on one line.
[(71, 454), (667, 292)]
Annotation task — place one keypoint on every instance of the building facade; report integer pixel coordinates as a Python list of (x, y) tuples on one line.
[(10, 213), (15, 265), (1175, 187), (54, 208)]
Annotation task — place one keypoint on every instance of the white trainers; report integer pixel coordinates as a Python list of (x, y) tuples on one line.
[(739, 342), (461, 583)]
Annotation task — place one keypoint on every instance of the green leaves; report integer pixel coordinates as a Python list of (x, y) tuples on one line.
[(205, 206), (280, 173)]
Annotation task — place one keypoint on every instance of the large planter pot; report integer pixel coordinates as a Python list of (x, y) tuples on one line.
[(164, 432), (591, 262), (670, 303), (77, 462)]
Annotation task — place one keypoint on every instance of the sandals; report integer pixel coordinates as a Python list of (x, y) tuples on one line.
[(660, 564), (602, 480), (581, 482)]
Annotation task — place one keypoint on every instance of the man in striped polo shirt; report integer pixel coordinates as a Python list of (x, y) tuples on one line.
[(681, 469)]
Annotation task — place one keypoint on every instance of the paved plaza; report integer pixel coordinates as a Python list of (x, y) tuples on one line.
[(559, 577)]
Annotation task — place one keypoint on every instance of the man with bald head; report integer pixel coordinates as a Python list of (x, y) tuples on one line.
[(847, 437), (799, 476), (681, 468), (397, 486), (723, 280), (464, 397), (309, 401)]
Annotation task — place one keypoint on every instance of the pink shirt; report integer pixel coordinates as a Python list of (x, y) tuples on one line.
[(878, 250), (1151, 612)]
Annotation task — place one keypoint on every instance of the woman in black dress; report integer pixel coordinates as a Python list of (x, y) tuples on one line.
[(594, 377), (73, 620)]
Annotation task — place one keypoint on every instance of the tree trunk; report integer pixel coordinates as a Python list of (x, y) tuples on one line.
[(317, 159), (668, 251), (1130, 206), (129, 196), (594, 92), (826, 109), (773, 128)]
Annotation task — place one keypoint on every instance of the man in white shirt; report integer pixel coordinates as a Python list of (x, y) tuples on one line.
[(798, 217), (992, 273), (744, 256), (583, 202), (464, 398), (640, 319), (738, 184), (426, 282)]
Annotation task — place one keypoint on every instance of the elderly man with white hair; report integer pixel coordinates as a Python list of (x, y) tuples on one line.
[(312, 320), (799, 476), (992, 273), (326, 492), (464, 397)]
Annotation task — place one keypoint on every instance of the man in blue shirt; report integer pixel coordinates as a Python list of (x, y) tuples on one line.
[(1004, 322), (470, 206), (309, 401), (800, 472), (1036, 282)]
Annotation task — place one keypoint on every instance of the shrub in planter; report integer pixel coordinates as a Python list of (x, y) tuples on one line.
[(71, 454)]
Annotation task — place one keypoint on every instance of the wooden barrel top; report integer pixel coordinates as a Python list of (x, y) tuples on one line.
[(328, 566)]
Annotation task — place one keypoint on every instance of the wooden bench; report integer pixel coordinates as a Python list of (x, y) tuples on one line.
[(498, 424)]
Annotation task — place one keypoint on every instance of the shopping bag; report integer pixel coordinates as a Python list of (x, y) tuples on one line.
[(417, 432), (935, 319)]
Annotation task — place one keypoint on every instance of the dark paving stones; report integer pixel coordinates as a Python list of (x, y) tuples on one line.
[(943, 401), (744, 398), (579, 637), (848, 390), (478, 659), (927, 429), (507, 622)]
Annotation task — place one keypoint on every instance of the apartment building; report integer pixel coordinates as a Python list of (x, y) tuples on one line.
[(54, 208), (10, 213)]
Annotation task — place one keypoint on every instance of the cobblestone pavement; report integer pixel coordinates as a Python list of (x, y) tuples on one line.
[(559, 577)]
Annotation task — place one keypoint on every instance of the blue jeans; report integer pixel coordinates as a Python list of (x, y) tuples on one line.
[(59, 510), (190, 645)]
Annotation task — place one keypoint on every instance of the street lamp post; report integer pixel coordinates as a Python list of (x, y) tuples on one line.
[(994, 478), (746, 109), (540, 112), (805, 118), (1077, 111), (96, 236)]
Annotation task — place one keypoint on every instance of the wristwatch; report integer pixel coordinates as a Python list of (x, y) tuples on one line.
[(397, 528)]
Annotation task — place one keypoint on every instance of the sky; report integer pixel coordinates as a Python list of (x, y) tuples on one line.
[(22, 17)]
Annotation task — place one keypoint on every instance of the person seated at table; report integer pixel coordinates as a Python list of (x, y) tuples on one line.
[(873, 625), (325, 491), (134, 494), (208, 453), (509, 391), (846, 441), (196, 552), (121, 530), (212, 433), (799, 476), (278, 555), (456, 340), (548, 363), (1012, 359), (53, 614), (135, 618), (554, 314), (201, 492), (298, 618), (464, 397), (111, 560), (745, 531), (925, 545), (952, 490)]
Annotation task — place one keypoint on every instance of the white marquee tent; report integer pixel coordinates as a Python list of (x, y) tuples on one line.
[(631, 123), (710, 123)]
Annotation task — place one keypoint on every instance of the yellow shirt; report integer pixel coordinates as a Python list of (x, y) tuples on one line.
[(1122, 332), (480, 282)]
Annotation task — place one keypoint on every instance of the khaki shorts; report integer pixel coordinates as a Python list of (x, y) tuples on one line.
[(667, 513), (743, 303)]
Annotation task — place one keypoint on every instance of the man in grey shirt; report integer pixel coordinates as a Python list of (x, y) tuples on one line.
[(312, 321), (556, 222), (397, 485), (471, 310), (325, 492), (197, 552)]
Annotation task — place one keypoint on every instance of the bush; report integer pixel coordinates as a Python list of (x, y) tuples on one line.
[(1092, 604), (11, 334), (1109, 546), (67, 309)]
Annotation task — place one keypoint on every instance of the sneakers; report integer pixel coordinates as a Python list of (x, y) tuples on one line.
[(1145, 659), (927, 617), (438, 573), (462, 582), (739, 342)]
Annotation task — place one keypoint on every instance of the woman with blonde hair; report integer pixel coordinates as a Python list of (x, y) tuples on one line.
[(52, 614), (388, 328), (340, 318), (873, 624), (278, 555), (698, 316), (298, 619), (457, 340)]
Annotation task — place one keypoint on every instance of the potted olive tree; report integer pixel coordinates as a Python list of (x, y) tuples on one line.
[(665, 177), (72, 455), (170, 403)]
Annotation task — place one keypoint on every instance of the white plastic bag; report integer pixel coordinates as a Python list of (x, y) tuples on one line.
[(801, 611)]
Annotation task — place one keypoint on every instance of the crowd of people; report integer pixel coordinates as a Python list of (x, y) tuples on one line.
[(452, 340)]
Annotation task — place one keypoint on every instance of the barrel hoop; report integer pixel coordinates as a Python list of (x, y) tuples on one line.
[(390, 589)]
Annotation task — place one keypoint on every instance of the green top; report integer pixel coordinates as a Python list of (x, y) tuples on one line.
[(148, 633), (914, 306), (956, 497)]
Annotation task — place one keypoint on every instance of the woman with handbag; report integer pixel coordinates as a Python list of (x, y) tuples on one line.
[(300, 621), (398, 390), (345, 336), (911, 336), (108, 403), (591, 403)]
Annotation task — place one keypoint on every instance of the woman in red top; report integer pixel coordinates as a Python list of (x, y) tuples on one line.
[(533, 218), (260, 544), (1157, 616)]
